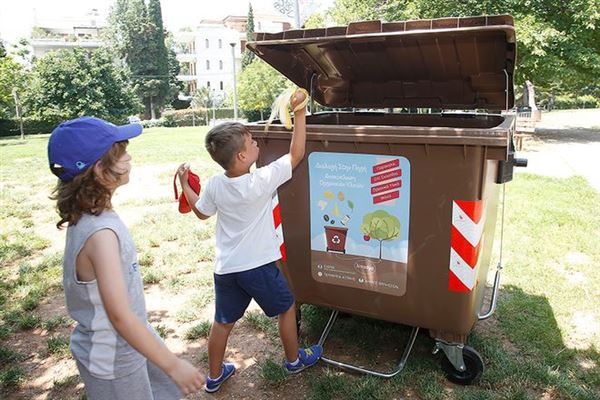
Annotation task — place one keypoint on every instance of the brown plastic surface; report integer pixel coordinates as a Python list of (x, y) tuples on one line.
[(450, 63), (452, 157)]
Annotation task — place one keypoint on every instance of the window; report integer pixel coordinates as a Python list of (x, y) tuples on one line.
[(206, 43), (220, 44), (207, 64), (221, 85), (220, 64), (208, 84)]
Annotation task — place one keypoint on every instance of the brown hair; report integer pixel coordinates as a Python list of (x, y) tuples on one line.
[(88, 192), (224, 141)]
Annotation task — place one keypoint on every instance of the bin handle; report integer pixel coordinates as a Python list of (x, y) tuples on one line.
[(312, 92), (496, 287)]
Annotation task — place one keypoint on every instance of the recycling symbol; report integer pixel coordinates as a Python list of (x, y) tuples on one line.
[(335, 239)]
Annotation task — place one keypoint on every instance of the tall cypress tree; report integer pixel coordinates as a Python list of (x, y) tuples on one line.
[(158, 51), (136, 33), (248, 56)]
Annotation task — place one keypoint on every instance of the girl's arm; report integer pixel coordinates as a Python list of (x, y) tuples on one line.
[(102, 251)]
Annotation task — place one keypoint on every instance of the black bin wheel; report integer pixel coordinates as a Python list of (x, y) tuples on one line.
[(472, 373)]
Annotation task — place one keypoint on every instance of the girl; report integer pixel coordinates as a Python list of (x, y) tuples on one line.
[(118, 354)]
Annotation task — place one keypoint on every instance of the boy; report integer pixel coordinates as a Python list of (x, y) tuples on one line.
[(118, 354), (246, 247)]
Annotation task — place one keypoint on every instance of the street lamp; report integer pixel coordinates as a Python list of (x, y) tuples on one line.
[(235, 109), (297, 14)]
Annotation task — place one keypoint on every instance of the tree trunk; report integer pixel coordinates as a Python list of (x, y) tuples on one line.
[(152, 115), (262, 117), (380, 242)]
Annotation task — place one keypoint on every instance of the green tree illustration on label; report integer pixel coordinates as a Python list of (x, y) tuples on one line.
[(381, 226)]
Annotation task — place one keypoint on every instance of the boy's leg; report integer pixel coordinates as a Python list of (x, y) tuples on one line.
[(217, 342), (289, 333)]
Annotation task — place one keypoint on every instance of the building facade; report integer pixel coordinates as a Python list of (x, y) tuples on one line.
[(68, 32), (208, 53)]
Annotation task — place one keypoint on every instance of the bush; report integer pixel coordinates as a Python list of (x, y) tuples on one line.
[(565, 102), (254, 115), (187, 117), (31, 126)]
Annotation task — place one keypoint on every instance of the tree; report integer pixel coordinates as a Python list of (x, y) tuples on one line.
[(316, 20), (12, 77), (202, 99), (248, 56), (69, 83), (558, 42), (158, 51), (258, 86), (2, 49), (137, 35), (381, 226), (175, 85)]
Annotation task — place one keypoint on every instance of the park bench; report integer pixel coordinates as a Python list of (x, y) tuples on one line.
[(525, 126)]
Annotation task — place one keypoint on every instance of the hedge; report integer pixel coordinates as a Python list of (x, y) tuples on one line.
[(10, 127)]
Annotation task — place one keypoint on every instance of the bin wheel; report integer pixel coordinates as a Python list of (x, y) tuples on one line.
[(473, 371)]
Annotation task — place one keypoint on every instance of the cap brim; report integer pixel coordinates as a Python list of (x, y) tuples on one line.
[(129, 131)]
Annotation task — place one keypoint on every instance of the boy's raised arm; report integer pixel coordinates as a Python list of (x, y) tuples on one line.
[(298, 144)]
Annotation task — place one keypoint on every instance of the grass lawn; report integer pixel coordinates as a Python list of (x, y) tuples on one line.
[(543, 341)]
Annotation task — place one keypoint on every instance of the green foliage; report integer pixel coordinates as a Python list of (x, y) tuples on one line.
[(12, 77), (137, 35), (201, 330), (273, 372), (12, 377), (259, 84), (248, 56), (58, 345), (316, 20), (70, 83), (558, 42)]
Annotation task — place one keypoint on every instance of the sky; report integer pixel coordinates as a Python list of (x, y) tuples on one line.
[(16, 17)]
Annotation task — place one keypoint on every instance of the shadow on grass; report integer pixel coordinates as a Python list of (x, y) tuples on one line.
[(572, 135), (522, 346)]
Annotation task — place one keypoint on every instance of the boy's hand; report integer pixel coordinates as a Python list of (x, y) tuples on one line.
[(182, 173), (186, 377), (298, 100)]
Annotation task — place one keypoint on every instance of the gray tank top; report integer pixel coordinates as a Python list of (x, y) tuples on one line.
[(94, 341)]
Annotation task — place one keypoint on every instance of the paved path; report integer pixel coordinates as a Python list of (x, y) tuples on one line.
[(566, 143)]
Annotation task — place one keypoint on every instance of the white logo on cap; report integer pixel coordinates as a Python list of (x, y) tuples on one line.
[(80, 164)]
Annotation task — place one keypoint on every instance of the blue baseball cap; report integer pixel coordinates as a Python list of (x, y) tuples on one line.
[(75, 145)]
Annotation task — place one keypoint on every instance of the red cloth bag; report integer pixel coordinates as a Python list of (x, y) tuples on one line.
[(194, 181)]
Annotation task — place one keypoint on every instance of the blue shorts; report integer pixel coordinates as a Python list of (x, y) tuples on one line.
[(266, 285)]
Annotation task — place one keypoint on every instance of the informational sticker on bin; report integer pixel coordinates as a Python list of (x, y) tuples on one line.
[(359, 220)]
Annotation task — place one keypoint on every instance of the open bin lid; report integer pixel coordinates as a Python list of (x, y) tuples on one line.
[(455, 63)]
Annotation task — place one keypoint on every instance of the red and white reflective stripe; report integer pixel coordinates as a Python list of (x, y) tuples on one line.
[(278, 225), (468, 220)]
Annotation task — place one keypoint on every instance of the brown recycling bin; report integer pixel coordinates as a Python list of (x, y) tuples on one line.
[(392, 215)]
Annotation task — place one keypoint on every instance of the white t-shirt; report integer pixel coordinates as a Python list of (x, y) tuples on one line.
[(245, 232)]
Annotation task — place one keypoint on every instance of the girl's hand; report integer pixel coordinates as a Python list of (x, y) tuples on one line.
[(186, 377)]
